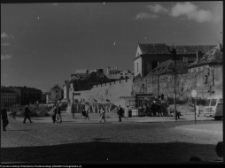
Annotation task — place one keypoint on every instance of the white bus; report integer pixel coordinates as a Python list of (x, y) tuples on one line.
[(214, 107)]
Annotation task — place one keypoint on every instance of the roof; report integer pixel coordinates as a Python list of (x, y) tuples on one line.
[(211, 57), (180, 49), (113, 76), (168, 67), (56, 87)]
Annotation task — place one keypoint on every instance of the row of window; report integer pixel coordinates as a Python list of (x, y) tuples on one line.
[(8, 99), (7, 95), (198, 69)]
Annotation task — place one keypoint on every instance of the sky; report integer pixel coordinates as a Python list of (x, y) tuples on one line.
[(42, 44)]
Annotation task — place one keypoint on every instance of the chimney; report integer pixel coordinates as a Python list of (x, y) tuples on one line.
[(116, 67), (198, 55)]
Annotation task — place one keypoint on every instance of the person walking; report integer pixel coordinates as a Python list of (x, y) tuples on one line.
[(27, 115), (154, 108), (87, 110), (5, 120), (102, 114), (120, 113), (73, 109), (58, 114), (54, 112)]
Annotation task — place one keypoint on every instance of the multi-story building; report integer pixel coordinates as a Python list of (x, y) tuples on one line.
[(84, 80), (55, 94), (8, 97), (149, 56), (26, 95), (116, 74)]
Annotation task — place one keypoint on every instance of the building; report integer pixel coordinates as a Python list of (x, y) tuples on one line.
[(55, 94), (83, 80), (116, 74), (8, 97), (26, 95), (149, 56)]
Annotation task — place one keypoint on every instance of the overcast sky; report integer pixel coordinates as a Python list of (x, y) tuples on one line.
[(43, 43)]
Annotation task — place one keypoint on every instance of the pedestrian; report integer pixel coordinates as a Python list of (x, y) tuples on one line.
[(145, 109), (54, 112), (159, 108), (102, 114), (126, 112), (58, 115), (5, 120), (154, 107), (87, 109), (27, 114), (120, 113), (73, 109)]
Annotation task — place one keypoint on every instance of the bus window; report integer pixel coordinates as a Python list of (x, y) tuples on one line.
[(220, 101), (207, 102), (213, 102)]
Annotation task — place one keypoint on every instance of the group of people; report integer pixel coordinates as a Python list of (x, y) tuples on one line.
[(156, 108), (5, 120), (56, 115)]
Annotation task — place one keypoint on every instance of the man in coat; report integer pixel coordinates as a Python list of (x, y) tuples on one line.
[(154, 108), (27, 114), (5, 121), (120, 113)]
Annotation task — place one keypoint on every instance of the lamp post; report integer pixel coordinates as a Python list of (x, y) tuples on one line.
[(194, 95)]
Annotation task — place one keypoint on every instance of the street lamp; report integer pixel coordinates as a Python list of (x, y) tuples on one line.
[(194, 95)]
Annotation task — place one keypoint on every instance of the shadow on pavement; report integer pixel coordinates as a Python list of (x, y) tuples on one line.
[(101, 151)]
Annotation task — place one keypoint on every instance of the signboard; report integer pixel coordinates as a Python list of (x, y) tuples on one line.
[(194, 93)]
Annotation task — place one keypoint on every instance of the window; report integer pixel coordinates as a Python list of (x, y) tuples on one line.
[(137, 67), (213, 102)]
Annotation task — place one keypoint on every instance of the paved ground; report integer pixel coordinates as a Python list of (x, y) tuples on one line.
[(138, 139)]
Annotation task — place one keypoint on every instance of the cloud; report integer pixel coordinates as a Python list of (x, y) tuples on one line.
[(158, 8), (5, 44), (191, 11), (4, 35), (5, 57), (145, 16)]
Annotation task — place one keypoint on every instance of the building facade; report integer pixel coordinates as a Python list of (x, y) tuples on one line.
[(55, 94), (83, 80), (8, 97), (149, 56), (26, 95)]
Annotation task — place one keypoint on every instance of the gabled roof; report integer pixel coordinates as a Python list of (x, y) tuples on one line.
[(153, 49), (211, 57), (168, 67), (180, 49), (56, 87)]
